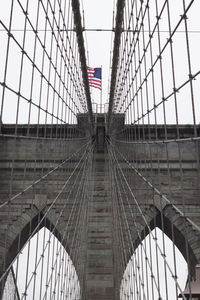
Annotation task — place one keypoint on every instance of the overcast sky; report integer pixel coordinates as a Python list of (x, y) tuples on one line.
[(99, 14)]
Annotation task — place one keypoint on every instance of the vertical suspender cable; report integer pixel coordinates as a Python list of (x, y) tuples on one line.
[(118, 31), (80, 40)]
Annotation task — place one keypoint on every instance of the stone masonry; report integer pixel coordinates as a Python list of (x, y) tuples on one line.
[(35, 156)]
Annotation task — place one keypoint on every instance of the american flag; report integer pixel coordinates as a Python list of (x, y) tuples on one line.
[(94, 76)]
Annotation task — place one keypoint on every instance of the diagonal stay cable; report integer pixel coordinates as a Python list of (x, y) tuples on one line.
[(45, 214), (115, 60), (83, 199), (80, 41), (158, 57), (190, 139), (77, 199), (128, 230), (42, 138), (56, 223), (156, 190), (42, 178), (66, 227), (148, 227), (4, 85), (137, 230)]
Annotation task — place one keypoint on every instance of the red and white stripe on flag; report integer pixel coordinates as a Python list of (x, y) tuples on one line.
[(94, 77)]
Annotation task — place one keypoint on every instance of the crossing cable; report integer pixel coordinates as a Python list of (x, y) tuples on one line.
[(83, 228), (111, 43), (121, 75), (30, 227), (17, 93), (118, 30), (71, 217), (79, 32), (55, 227), (85, 153), (101, 29), (146, 223), (76, 71), (80, 225), (156, 190), (150, 142), (141, 117), (147, 259), (43, 177), (137, 266), (65, 204), (169, 41), (35, 67), (74, 234), (73, 211), (140, 84), (118, 184)]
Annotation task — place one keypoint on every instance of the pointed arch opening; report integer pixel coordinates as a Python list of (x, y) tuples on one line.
[(156, 270), (43, 270)]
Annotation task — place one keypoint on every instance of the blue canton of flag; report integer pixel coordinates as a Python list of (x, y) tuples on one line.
[(94, 77), (97, 73)]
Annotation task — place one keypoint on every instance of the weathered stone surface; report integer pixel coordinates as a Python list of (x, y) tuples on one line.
[(24, 161), (100, 281)]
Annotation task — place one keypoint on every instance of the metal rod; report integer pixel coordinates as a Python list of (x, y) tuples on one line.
[(119, 22), (81, 47), (100, 30)]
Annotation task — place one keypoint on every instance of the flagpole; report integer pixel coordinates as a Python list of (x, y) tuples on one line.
[(101, 93)]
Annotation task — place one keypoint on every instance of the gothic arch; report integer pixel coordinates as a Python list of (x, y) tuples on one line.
[(185, 238), (23, 233)]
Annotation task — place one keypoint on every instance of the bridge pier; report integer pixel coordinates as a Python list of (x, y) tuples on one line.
[(100, 239), (100, 281)]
